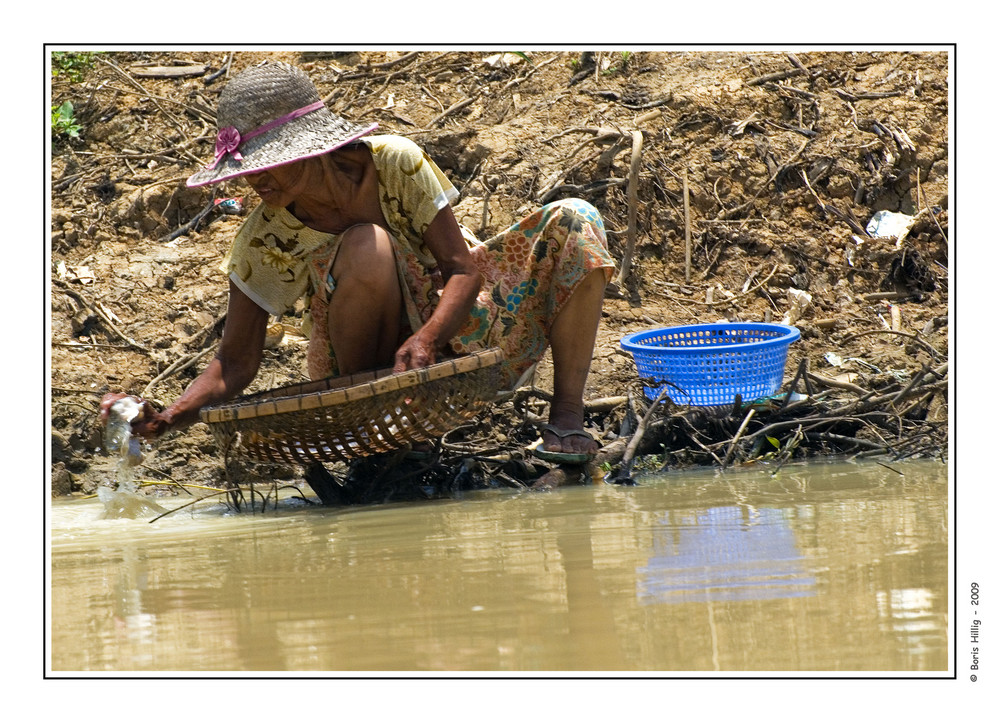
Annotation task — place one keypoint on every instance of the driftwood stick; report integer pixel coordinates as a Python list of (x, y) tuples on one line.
[(640, 431), (534, 69), (780, 75), (800, 373), (558, 477), (547, 191), (190, 225), (701, 445), (813, 421), (391, 63), (926, 399), (797, 63), (847, 218), (188, 504), (786, 453), (611, 453), (836, 383), (455, 107), (739, 433), (223, 70), (892, 397), (841, 439), (913, 382)]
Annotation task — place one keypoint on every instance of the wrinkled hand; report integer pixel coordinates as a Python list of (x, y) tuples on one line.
[(149, 424), (415, 353)]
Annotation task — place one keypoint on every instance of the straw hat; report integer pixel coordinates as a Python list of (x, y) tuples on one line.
[(270, 115)]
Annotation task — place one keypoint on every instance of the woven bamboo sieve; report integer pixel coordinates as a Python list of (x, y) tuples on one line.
[(343, 418)]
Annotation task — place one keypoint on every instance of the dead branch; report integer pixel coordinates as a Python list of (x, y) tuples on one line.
[(731, 300), (97, 310), (633, 203), (178, 366), (934, 352), (736, 438), (780, 75)]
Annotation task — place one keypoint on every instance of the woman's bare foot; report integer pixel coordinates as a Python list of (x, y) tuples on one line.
[(572, 337), (566, 433)]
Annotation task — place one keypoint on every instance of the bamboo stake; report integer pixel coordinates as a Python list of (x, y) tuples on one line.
[(687, 229), (633, 207)]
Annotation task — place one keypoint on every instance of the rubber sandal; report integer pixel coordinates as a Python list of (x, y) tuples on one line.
[(537, 449)]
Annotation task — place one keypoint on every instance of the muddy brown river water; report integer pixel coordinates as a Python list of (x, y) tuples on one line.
[(835, 568)]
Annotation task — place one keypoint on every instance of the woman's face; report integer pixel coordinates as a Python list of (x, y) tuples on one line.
[(278, 187)]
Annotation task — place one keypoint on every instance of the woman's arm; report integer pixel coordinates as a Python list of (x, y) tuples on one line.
[(462, 281), (233, 368)]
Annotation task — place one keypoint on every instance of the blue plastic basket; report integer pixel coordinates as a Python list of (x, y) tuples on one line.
[(709, 364)]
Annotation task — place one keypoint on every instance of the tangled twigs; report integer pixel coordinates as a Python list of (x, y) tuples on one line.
[(727, 301), (178, 366), (788, 450), (188, 504), (624, 473), (132, 81), (726, 214), (871, 423), (97, 310), (934, 352), (520, 79)]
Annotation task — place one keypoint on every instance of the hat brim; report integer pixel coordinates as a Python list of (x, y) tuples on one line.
[(305, 137)]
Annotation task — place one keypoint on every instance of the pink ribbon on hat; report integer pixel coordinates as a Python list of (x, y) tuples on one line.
[(229, 139)]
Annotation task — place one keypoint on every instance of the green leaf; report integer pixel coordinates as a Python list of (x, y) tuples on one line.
[(63, 121), (775, 442)]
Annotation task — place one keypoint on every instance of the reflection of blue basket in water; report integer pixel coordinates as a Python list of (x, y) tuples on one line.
[(724, 554), (709, 364)]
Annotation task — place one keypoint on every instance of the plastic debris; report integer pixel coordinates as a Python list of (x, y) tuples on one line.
[(839, 361), (852, 250), (834, 359), (229, 205), (119, 439), (886, 224), (503, 59), (799, 301), (80, 274)]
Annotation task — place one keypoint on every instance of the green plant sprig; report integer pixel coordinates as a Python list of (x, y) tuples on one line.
[(63, 121)]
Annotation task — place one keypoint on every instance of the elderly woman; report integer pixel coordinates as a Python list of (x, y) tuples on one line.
[(361, 224)]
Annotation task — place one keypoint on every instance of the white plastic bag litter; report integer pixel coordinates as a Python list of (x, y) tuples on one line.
[(886, 224), (834, 359), (798, 302)]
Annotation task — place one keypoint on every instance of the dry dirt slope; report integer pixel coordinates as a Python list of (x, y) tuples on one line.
[(786, 158)]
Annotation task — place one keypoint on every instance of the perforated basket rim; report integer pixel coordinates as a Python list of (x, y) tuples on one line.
[(342, 390), (634, 342)]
